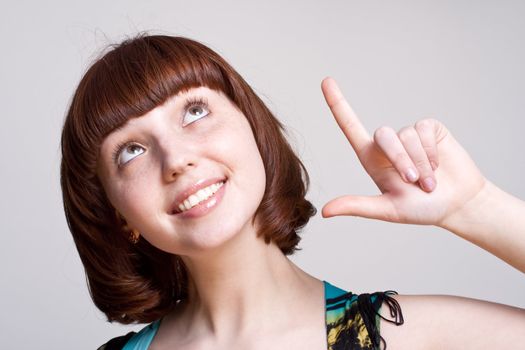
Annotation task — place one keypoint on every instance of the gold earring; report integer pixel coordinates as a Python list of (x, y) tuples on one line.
[(134, 236)]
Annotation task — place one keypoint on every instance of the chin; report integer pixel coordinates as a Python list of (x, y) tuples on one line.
[(198, 243)]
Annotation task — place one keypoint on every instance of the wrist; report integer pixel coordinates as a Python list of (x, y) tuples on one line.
[(493, 220), (463, 220)]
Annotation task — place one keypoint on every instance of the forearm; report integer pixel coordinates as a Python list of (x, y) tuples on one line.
[(495, 221)]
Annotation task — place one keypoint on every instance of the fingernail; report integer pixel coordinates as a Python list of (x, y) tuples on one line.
[(411, 175), (429, 184)]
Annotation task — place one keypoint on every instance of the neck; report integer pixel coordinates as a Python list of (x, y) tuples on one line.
[(243, 285)]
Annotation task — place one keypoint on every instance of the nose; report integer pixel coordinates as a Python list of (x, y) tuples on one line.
[(173, 168), (176, 161)]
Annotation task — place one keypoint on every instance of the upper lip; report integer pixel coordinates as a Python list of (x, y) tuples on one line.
[(192, 189)]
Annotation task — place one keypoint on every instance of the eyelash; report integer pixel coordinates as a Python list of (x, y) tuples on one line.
[(194, 101), (118, 149), (190, 102)]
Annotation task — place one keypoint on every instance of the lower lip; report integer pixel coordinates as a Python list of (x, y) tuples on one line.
[(204, 207)]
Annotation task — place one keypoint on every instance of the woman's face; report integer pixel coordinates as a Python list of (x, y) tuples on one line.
[(187, 175)]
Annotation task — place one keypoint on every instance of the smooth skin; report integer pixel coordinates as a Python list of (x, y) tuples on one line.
[(426, 177)]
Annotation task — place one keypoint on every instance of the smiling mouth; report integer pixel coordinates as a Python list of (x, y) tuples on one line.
[(199, 197)]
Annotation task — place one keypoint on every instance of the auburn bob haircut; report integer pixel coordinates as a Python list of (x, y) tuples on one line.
[(138, 282)]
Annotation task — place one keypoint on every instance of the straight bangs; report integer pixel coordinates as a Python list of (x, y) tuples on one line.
[(135, 77)]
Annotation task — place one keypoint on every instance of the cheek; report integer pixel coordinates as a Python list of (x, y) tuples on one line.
[(237, 145), (134, 200), (253, 159), (256, 168), (247, 163)]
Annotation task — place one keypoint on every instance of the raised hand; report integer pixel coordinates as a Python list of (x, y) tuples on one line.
[(423, 173)]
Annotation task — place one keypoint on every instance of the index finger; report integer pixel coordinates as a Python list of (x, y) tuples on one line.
[(346, 118)]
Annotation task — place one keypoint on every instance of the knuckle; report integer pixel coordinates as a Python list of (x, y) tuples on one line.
[(348, 124), (426, 123), (430, 150), (407, 133), (422, 164), (401, 159), (382, 132)]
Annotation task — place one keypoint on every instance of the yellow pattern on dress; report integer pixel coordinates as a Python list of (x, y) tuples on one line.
[(362, 335), (355, 323)]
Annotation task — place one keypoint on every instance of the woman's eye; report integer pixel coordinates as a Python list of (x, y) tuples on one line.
[(194, 113), (129, 152)]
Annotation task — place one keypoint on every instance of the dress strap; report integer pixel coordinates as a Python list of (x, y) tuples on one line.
[(142, 339), (369, 306), (352, 321)]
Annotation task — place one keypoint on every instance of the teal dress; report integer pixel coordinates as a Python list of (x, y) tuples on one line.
[(352, 322)]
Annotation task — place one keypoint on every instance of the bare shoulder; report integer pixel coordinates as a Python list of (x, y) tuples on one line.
[(452, 322)]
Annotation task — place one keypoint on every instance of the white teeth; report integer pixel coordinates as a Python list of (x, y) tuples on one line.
[(193, 200), (200, 196)]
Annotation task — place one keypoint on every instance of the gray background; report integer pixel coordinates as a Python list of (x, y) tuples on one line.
[(458, 61)]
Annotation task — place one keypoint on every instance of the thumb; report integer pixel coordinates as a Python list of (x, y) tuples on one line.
[(372, 207)]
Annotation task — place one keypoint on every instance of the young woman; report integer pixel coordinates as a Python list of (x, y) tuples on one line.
[(184, 199)]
